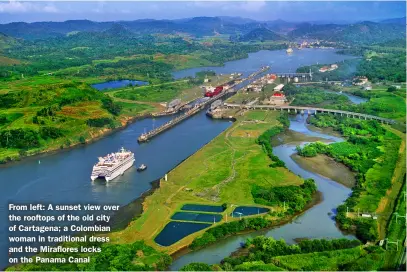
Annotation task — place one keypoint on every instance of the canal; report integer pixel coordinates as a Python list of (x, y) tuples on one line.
[(317, 222), (64, 177)]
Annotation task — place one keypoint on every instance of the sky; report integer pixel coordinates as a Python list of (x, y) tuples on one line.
[(294, 11)]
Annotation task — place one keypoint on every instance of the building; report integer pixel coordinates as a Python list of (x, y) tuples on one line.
[(173, 104), (270, 78), (324, 69), (278, 98), (328, 68), (278, 88), (359, 81)]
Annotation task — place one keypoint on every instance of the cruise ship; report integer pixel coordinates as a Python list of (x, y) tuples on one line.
[(113, 165)]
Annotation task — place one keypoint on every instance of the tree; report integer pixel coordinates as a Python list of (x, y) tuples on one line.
[(197, 267), (391, 89)]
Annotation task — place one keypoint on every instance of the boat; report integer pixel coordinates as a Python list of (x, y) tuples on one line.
[(142, 167), (211, 92), (289, 50), (113, 165)]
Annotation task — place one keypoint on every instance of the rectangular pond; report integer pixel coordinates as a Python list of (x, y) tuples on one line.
[(248, 210), (175, 231), (202, 208), (199, 217), (118, 84)]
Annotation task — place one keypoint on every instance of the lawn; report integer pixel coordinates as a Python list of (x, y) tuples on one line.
[(220, 172)]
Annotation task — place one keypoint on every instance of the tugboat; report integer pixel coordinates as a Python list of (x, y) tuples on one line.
[(142, 167)]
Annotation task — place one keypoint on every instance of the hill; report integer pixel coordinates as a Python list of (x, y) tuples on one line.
[(7, 41), (261, 34), (197, 26), (401, 21), (361, 33)]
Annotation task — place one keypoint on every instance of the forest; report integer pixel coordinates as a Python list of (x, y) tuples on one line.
[(267, 254), (292, 198), (372, 153), (113, 257), (264, 141)]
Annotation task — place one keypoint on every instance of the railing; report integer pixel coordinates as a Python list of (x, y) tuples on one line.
[(309, 109)]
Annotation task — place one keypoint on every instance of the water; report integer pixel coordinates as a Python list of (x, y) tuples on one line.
[(314, 223), (247, 210), (279, 61), (202, 208), (114, 84), (175, 231), (65, 177), (353, 98), (198, 217)]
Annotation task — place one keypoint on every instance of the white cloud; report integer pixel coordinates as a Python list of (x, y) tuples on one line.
[(246, 6), (24, 7)]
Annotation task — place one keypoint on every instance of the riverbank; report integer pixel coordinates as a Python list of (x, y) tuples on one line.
[(316, 199), (210, 176), (101, 133), (327, 167)]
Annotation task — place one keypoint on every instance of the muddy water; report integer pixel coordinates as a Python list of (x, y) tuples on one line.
[(317, 222)]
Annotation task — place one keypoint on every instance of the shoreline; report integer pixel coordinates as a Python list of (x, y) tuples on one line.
[(56, 150), (323, 163), (316, 200)]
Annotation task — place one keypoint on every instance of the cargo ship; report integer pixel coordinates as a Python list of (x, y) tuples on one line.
[(113, 165), (211, 92)]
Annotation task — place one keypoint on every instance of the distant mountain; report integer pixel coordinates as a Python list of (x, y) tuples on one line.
[(118, 30), (400, 21), (7, 41), (313, 31), (198, 26), (261, 34), (237, 20), (240, 28), (363, 32), (281, 26)]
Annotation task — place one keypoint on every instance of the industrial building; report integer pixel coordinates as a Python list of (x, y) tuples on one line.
[(278, 88)]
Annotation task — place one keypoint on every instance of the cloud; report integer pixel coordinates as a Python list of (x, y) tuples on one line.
[(25, 7)]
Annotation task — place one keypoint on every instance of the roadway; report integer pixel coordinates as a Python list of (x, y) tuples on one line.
[(310, 110)]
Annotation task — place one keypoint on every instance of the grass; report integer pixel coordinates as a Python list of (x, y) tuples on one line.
[(220, 172), (318, 261), (242, 97), (387, 203), (396, 231), (166, 92)]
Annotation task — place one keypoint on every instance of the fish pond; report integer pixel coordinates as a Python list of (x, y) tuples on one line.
[(114, 84), (248, 210), (202, 208), (198, 217), (175, 231)]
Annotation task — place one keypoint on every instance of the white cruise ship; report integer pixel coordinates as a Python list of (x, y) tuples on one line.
[(113, 165)]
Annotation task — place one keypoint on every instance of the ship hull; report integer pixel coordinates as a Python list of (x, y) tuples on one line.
[(114, 174)]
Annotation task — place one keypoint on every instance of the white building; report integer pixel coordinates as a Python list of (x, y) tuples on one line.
[(278, 88)]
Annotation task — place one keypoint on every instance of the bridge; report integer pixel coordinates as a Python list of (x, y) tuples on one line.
[(310, 110), (296, 77)]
